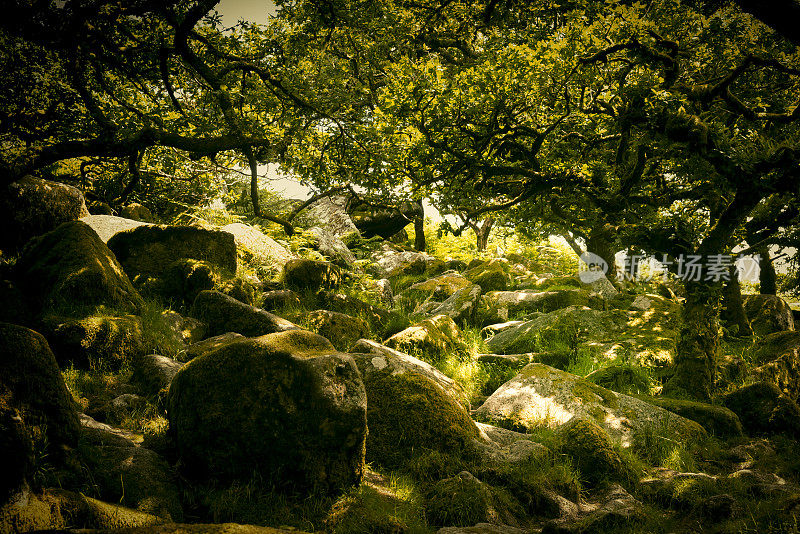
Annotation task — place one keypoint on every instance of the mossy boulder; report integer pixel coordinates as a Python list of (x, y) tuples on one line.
[(96, 340), (622, 378), (32, 206), (591, 450), (432, 339), (763, 409), (409, 415), (329, 214), (241, 289), (460, 306), (768, 314), (391, 262), (542, 396), (137, 212), (492, 275), (210, 344), (71, 267), (311, 274), (154, 372), (280, 299), (463, 501), (184, 279), (341, 329), (286, 406), (149, 250), (437, 288), (777, 360), (107, 226), (31, 383), (379, 319), (499, 306), (718, 420), (223, 314), (16, 447), (331, 247), (258, 249)]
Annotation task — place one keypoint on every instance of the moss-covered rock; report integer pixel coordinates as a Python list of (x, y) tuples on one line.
[(777, 360), (149, 250), (460, 306), (410, 414), (311, 274), (240, 289), (341, 329), (592, 450), (498, 306), (280, 299), (768, 314), (107, 226), (137, 212), (284, 405), (257, 249), (379, 319), (154, 372), (31, 383), (223, 314), (71, 267), (763, 409), (201, 528), (32, 206), (541, 396), (622, 378), (491, 276), (96, 340), (207, 345), (431, 339), (463, 501), (437, 288), (16, 447), (718, 420), (182, 280)]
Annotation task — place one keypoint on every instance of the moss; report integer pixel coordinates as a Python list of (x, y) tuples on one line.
[(587, 391), (311, 274), (718, 420), (592, 451), (432, 339), (341, 329), (491, 276), (409, 415), (97, 341), (463, 501), (622, 377)]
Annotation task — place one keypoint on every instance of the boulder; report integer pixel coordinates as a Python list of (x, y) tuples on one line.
[(481, 528), (280, 299), (188, 329), (385, 222), (102, 340), (155, 372), (16, 448), (371, 356), (331, 247), (543, 396), (258, 248), (183, 279), (763, 409), (107, 226), (377, 317), (506, 450), (329, 214), (137, 212), (286, 406), (768, 314), (207, 345), (96, 433), (390, 262), (591, 451), (222, 314), (499, 306), (717, 420), (434, 339), (341, 329), (201, 528), (71, 267), (622, 378), (32, 206), (460, 306), (149, 250), (438, 288), (777, 360), (311, 274), (463, 500), (491, 275)]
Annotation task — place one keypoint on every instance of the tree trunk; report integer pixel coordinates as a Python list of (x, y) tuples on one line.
[(699, 339), (419, 230), (601, 242), (767, 278), (733, 313), (482, 233)]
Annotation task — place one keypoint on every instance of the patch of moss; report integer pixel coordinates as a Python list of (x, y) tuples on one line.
[(592, 451)]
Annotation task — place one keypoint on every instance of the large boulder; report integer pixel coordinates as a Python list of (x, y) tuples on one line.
[(331, 246), (371, 356), (223, 314), (434, 339), (543, 396), (763, 409), (463, 501), (499, 306), (390, 262), (438, 288), (107, 226), (768, 314), (69, 268), (777, 360), (34, 400), (207, 345), (461, 306), (137, 212), (591, 450), (492, 275), (311, 274), (149, 250), (286, 406), (32, 206), (329, 214), (718, 420), (385, 222), (341, 329), (259, 248), (103, 340), (155, 372)]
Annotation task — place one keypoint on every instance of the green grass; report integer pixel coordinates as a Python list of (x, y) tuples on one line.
[(158, 335)]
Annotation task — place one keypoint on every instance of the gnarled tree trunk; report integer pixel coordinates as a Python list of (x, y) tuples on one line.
[(733, 313), (767, 278)]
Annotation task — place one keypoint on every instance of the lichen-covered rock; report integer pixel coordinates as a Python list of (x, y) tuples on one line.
[(371, 356), (31, 383), (768, 314), (223, 314), (284, 405), (543, 396), (591, 450), (463, 500), (434, 339), (32, 206), (437, 288), (240, 289), (331, 247), (207, 345), (390, 262), (491, 276), (341, 329), (499, 306), (763, 409), (717, 420), (330, 214), (149, 250), (258, 248), (504, 449), (410, 414), (460, 306), (107, 226), (311, 274), (134, 477), (137, 212), (71, 267), (155, 372), (101, 339)]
